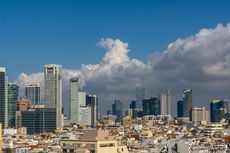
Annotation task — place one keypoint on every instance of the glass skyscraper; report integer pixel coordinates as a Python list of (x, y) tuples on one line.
[(184, 107), (165, 103), (53, 90), (140, 95), (3, 98), (117, 109), (13, 91), (151, 106), (32, 92), (219, 110), (73, 99), (92, 101)]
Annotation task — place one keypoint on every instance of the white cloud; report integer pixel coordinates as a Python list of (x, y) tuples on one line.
[(201, 62)]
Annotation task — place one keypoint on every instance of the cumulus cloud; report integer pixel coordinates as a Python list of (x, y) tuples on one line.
[(200, 62)]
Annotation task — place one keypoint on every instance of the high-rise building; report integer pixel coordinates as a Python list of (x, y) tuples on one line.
[(3, 98), (200, 114), (37, 120), (73, 106), (184, 107), (151, 106), (140, 95), (13, 92), (133, 105), (53, 90), (0, 137), (81, 102), (86, 115), (32, 93), (219, 110), (165, 103), (92, 102), (117, 109)]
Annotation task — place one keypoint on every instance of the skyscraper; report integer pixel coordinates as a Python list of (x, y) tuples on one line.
[(13, 91), (3, 98), (74, 109), (32, 92), (92, 102), (117, 109), (140, 95), (81, 102), (200, 114), (219, 110), (53, 90), (184, 107), (151, 106), (165, 103), (0, 137)]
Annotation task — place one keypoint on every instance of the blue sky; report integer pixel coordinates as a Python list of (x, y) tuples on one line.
[(34, 33)]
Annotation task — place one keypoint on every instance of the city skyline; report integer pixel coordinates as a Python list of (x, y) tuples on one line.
[(155, 50)]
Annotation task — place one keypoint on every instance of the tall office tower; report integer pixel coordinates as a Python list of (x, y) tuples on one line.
[(32, 92), (3, 98), (117, 109), (133, 105), (184, 107), (165, 103), (73, 99), (92, 101), (81, 101), (13, 91), (53, 91), (219, 110), (140, 95), (86, 115), (151, 106), (200, 114)]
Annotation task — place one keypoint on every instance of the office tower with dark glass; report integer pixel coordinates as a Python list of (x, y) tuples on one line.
[(219, 110), (165, 103), (92, 102), (117, 109), (32, 93), (13, 92), (3, 98), (73, 98), (53, 90), (140, 95), (151, 106), (184, 107)]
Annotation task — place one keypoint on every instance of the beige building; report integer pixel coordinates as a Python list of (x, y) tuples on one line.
[(93, 141), (23, 104), (200, 114)]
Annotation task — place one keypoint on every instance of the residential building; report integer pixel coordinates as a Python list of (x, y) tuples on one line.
[(200, 114), (85, 115), (32, 93), (3, 98), (13, 92), (53, 91)]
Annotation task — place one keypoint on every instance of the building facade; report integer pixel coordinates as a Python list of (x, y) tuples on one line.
[(117, 109), (92, 102), (219, 109), (85, 115), (13, 92), (165, 104), (3, 98), (151, 106), (200, 114), (73, 99), (139, 95), (32, 93), (184, 107), (53, 90)]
